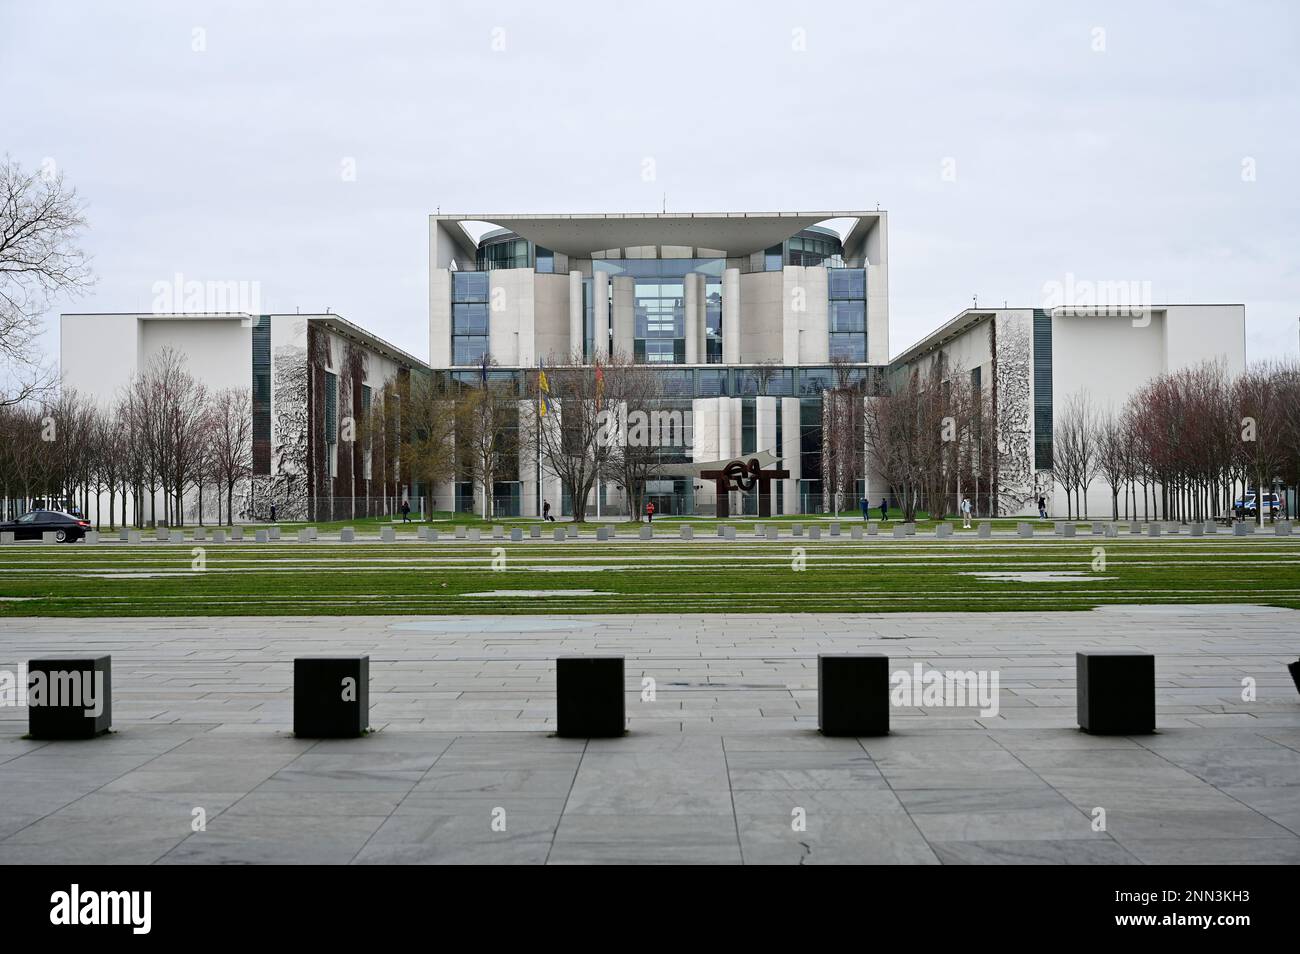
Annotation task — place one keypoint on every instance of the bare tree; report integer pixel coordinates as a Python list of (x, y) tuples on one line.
[(484, 433), (230, 438), (640, 429), (430, 440), (40, 226), (568, 437)]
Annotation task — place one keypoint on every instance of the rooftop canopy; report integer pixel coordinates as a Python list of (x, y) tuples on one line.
[(735, 234)]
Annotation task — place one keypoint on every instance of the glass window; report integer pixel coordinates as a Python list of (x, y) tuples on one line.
[(470, 318), (848, 316), (545, 260), (847, 283), (469, 286), (331, 407), (773, 259), (850, 347)]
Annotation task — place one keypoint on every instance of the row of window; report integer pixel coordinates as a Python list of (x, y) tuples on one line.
[(659, 313)]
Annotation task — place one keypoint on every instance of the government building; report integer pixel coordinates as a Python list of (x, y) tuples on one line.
[(747, 322)]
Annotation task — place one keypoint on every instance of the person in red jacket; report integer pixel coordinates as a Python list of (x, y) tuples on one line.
[(650, 512)]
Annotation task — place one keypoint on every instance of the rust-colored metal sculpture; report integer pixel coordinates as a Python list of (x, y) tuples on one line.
[(744, 475)]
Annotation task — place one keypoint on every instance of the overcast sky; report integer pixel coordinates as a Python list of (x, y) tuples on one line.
[(1013, 144)]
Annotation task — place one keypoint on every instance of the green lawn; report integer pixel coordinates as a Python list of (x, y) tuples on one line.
[(877, 574)]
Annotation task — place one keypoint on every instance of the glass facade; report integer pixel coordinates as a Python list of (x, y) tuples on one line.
[(847, 313), (469, 317), (262, 395), (509, 252), (1042, 390), (659, 305)]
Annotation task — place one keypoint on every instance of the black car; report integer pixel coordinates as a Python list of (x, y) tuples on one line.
[(30, 526)]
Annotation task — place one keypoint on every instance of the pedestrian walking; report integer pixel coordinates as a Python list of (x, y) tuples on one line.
[(884, 509), (546, 511), (965, 513), (650, 511), (1042, 507), (406, 511), (866, 509)]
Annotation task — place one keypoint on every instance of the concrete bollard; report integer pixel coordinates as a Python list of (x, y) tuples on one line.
[(910, 528), (573, 531), (1153, 530), (7, 536), (161, 534), (460, 533), (176, 536), (647, 533), (498, 533), (304, 536), (686, 533), (122, 535), (47, 536), (475, 535), (853, 695), (1210, 527), (1068, 530), (835, 528), (200, 534), (348, 535), (535, 532), (943, 530), (900, 531), (69, 697), (261, 536), (873, 528), (516, 535), (814, 533), (855, 531), (218, 536), (729, 533), (798, 530), (133, 536), (387, 535), (589, 697), (92, 536), (331, 697), (236, 534), (1196, 529), (1110, 531), (771, 533), (559, 534), (1025, 529), (602, 534), (984, 530), (275, 532), (1116, 692), (1282, 529)]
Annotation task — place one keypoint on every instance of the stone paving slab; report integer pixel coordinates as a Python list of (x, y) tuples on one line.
[(724, 766)]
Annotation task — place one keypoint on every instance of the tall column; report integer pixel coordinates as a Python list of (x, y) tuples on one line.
[(600, 313), (790, 459), (731, 316), (702, 321), (765, 424), (624, 315), (576, 330), (528, 503), (692, 315)]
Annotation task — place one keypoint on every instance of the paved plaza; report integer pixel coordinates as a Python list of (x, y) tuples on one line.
[(722, 763)]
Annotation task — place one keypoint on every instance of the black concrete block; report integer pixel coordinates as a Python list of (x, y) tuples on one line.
[(331, 696), (1116, 692), (853, 695), (1294, 669), (589, 696), (69, 697)]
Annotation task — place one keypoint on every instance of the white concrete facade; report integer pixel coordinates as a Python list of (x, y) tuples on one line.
[(1093, 353)]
